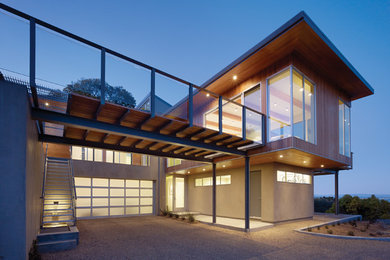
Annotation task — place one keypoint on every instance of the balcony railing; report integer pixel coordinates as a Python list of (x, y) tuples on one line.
[(71, 61)]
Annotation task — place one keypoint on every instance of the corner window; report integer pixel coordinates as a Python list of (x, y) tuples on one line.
[(344, 129), (293, 177), (291, 106)]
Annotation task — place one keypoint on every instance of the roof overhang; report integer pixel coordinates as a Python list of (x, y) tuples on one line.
[(301, 36)]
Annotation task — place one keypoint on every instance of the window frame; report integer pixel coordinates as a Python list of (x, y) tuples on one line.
[(291, 68), (345, 104)]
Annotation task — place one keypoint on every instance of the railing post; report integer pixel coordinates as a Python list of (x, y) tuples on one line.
[(336, 192), (244, 123), (247, 187), (214, 193), (103, 76), (190, 105), (153, 92), (33, 62), (220, 114), (263, 129)]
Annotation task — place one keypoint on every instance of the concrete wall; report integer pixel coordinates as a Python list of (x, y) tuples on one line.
[(21, 163), (279, 201)]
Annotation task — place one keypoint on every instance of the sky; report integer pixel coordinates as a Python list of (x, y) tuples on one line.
[(196, 39)]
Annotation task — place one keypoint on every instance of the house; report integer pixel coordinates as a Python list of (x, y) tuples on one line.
[(246, 144)]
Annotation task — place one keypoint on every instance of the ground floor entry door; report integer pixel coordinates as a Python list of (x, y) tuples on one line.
[(255, 194), (175, 193)]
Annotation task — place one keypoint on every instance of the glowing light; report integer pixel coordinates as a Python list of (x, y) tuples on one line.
[(235, 77), (224, 166), (207, 95), (322, 166), (304, 161), (204, 169), (301, 89), (281, 156), (46, 104)]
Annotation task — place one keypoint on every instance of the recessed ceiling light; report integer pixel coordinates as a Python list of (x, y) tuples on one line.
[(224, 166), (46, 104), (309, 94), (207, 95), (204, 169), (275, 104), (281, 156), (322, 166), (301, 89), (286, 109), (235, 77), (188, 172), (304, 161)]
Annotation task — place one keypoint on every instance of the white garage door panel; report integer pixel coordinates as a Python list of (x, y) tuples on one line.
[(102, 197)]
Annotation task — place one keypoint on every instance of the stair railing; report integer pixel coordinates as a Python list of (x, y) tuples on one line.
[(44, 183), (73, 186)]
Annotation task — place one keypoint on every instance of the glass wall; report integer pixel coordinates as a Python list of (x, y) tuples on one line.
[(344, 129), (100, 155), (291, 106), (173, 162)]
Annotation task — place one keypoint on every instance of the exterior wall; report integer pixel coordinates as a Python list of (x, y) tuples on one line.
[(22, 168), (57, 150), (279, 201)]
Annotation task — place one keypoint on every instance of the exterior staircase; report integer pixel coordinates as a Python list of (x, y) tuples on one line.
[(58, 194)]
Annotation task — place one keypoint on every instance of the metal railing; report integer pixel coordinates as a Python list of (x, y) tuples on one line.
[(193, 105), (73, 189), (43, 184)]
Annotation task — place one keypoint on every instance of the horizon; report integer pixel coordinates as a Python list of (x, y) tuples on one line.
[(231, 29)]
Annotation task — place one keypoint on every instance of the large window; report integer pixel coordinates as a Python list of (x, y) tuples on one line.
[(99, 155), (291, 106), (208, 181), (173, 162), (344, 129), (293, 177)]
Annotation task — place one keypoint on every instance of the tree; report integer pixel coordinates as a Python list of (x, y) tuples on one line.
[(91, 88)]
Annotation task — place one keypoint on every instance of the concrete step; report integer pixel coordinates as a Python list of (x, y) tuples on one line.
[(52, 219), (58, 221), (69, 209), (57, 207), (57, 246), (58, 213)]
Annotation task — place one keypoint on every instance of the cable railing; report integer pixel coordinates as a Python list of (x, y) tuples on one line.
[(102, 73)]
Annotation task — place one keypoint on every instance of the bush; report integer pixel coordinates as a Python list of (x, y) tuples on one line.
[(350, 233), (191, 218), (322, 204), (330, 231), (371, 208)]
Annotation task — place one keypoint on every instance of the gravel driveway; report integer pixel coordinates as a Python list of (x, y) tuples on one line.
[(163, 238)]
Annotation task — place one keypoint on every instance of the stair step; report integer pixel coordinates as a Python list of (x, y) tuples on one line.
[(59, 215), (48, 177), (56, 246), (46, 189), (67, 209), (59, 221)]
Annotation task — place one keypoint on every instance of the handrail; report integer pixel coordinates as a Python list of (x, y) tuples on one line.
[(72, 183), (112, 52), (44, 173)]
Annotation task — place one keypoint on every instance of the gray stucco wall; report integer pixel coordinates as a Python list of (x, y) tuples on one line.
[(21, 169), (279, 201)]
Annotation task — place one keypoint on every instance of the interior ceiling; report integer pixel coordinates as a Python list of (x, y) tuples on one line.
[(304, 42)]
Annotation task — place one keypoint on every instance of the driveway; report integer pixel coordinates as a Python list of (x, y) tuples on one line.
[(164, 238)]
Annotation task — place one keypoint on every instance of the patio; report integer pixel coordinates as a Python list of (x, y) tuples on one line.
[(164, 238)]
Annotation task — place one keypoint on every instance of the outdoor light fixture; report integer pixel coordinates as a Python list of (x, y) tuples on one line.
[(224, 166), (188, 172), (207, 95), (235, 77), (304, 162), (204, 169), (281, 156), (46, 104), (322, 166)]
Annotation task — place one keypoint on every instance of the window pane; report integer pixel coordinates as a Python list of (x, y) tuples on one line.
[(77, 153), (218, 180), (147, 192), (117, 192), (198, 182), (132, 210), (290, 177), (232, 118), (83, 192), (310, 117), (110, 156), (132, 201), (298, 178), (132, 192), (145, 160), (347, 129), (88, 154), (341, 127), (116, 157), (281, 176), (279, 106), (132, 183), (80, 181), (100, 182), (252, 98), (146, 184), (298, 105), (207, 181), (98, 155), (100, 192), (225, 179), (306, 179), (83, 213), (100, 212), (179, 193), (117, 202), (125, 158), (117, 183)]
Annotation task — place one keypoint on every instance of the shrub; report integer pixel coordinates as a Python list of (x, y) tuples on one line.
[(164, 212), (176, 216), (309, 229), (326, 227), (350, 233), (318, 228), (323, 204), (183, 218), (330, 231), (191, 218), (170, 214)]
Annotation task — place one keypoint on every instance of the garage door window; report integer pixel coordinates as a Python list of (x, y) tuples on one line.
[(102, 197)]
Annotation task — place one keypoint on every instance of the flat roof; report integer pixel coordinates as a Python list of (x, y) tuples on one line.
[(299, 34)]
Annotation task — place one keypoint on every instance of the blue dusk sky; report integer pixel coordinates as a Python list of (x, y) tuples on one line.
[(196, 39)]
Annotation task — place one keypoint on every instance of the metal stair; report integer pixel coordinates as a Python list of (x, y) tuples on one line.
[(58, 194)]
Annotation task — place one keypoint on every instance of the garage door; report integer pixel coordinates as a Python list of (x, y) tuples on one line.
[(102, 197)]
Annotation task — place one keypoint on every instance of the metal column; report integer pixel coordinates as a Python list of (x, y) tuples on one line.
[(103, 76), (247, 193), (214, 193), (153, 93), (336, 192)]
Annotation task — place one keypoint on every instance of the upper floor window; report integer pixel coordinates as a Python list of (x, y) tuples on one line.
[(173, 162), (344, 129), (100, 155), (291, 106)]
